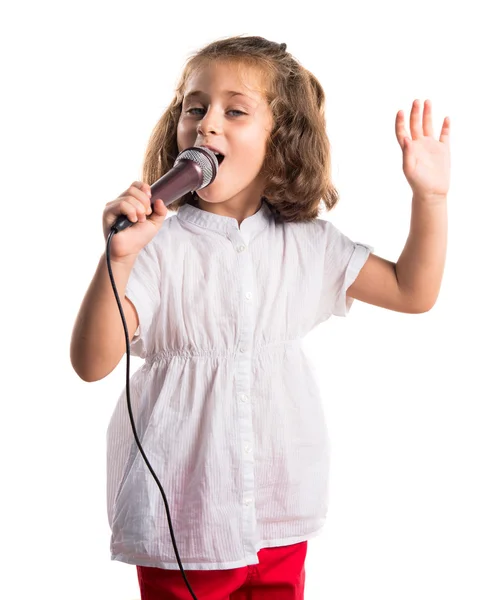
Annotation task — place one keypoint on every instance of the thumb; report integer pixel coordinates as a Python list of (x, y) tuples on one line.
[(407, 154), (159, 212)]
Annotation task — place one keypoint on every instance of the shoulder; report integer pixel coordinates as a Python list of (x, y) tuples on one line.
[(319, 232), (326, 228)]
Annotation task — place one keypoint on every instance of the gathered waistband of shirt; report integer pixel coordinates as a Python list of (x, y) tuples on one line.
[(269, 348)]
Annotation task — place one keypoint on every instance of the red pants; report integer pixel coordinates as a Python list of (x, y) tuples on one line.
[(280, 575)]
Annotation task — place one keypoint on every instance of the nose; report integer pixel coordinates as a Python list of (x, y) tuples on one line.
[(209, 123)]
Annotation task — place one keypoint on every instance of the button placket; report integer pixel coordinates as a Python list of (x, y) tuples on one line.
[(243, 359)]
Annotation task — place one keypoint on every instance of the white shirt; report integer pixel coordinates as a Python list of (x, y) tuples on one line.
[(226, 406)]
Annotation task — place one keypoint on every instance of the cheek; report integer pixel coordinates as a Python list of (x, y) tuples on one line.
[(180, 132), (184, 131), (254, 137), (253, 149)]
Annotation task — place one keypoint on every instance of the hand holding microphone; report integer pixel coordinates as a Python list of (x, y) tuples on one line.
[(194, 169), (135, 205)]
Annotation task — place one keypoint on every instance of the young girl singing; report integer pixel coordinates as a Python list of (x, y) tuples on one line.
[(218, 298)]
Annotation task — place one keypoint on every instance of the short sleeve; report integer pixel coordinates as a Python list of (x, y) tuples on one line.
[(343, 260), (143, 290)]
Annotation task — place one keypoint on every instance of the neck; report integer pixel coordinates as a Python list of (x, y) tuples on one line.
[(230, 208)]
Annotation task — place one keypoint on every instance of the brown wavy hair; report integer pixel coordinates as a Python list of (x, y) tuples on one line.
[(297, 165)]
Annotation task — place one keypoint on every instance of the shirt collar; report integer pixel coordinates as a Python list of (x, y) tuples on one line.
[(220, 223)]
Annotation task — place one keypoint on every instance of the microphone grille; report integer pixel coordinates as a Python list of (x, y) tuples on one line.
[(206, 160)]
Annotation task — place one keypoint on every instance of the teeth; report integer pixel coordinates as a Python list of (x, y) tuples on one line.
[(216, 153)]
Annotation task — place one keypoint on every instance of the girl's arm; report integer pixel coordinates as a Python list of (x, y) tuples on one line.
[(412, 285), (98, 341)]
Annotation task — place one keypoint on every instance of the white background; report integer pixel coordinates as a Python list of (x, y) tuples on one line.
[(406, 396)]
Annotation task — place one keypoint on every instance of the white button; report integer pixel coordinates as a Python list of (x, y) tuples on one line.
[(241, 248), (248, 501), (244, 398), (247, 448), (244, 349), (248, 296)]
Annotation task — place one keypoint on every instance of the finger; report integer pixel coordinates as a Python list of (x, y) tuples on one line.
[(138, 193), (445, 131), (414, 121), (141, 207), (126, 208), (427, 119), (134, 208), (138, 185), (146, 188), (401, 132)]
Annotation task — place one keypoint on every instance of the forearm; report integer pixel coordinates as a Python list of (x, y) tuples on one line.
[(420, 266), (98, 340)]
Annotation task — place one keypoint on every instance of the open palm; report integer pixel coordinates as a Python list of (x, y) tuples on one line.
[(426, 161)]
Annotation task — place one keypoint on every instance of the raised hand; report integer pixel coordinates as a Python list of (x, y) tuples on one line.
[(426, 161)]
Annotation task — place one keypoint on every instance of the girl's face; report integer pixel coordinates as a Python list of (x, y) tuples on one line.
[(237, 125)]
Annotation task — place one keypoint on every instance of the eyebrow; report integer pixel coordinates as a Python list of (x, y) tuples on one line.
[(230, 93)]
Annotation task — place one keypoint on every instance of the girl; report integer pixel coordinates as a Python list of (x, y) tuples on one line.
[(217, 299)]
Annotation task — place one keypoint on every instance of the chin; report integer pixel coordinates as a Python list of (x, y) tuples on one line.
[(214, 195)]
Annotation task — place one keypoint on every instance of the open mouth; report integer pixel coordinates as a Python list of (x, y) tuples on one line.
[(220, 157)]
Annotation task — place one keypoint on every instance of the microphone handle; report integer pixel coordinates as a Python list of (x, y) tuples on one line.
[(184, 177)]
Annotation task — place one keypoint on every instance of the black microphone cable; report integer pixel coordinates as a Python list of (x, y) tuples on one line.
[(113, 231)]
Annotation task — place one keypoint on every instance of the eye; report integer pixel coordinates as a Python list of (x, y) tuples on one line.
[(191, 109), (230, 111)]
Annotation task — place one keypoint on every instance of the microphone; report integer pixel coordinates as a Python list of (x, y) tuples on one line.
[(194, 169)]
